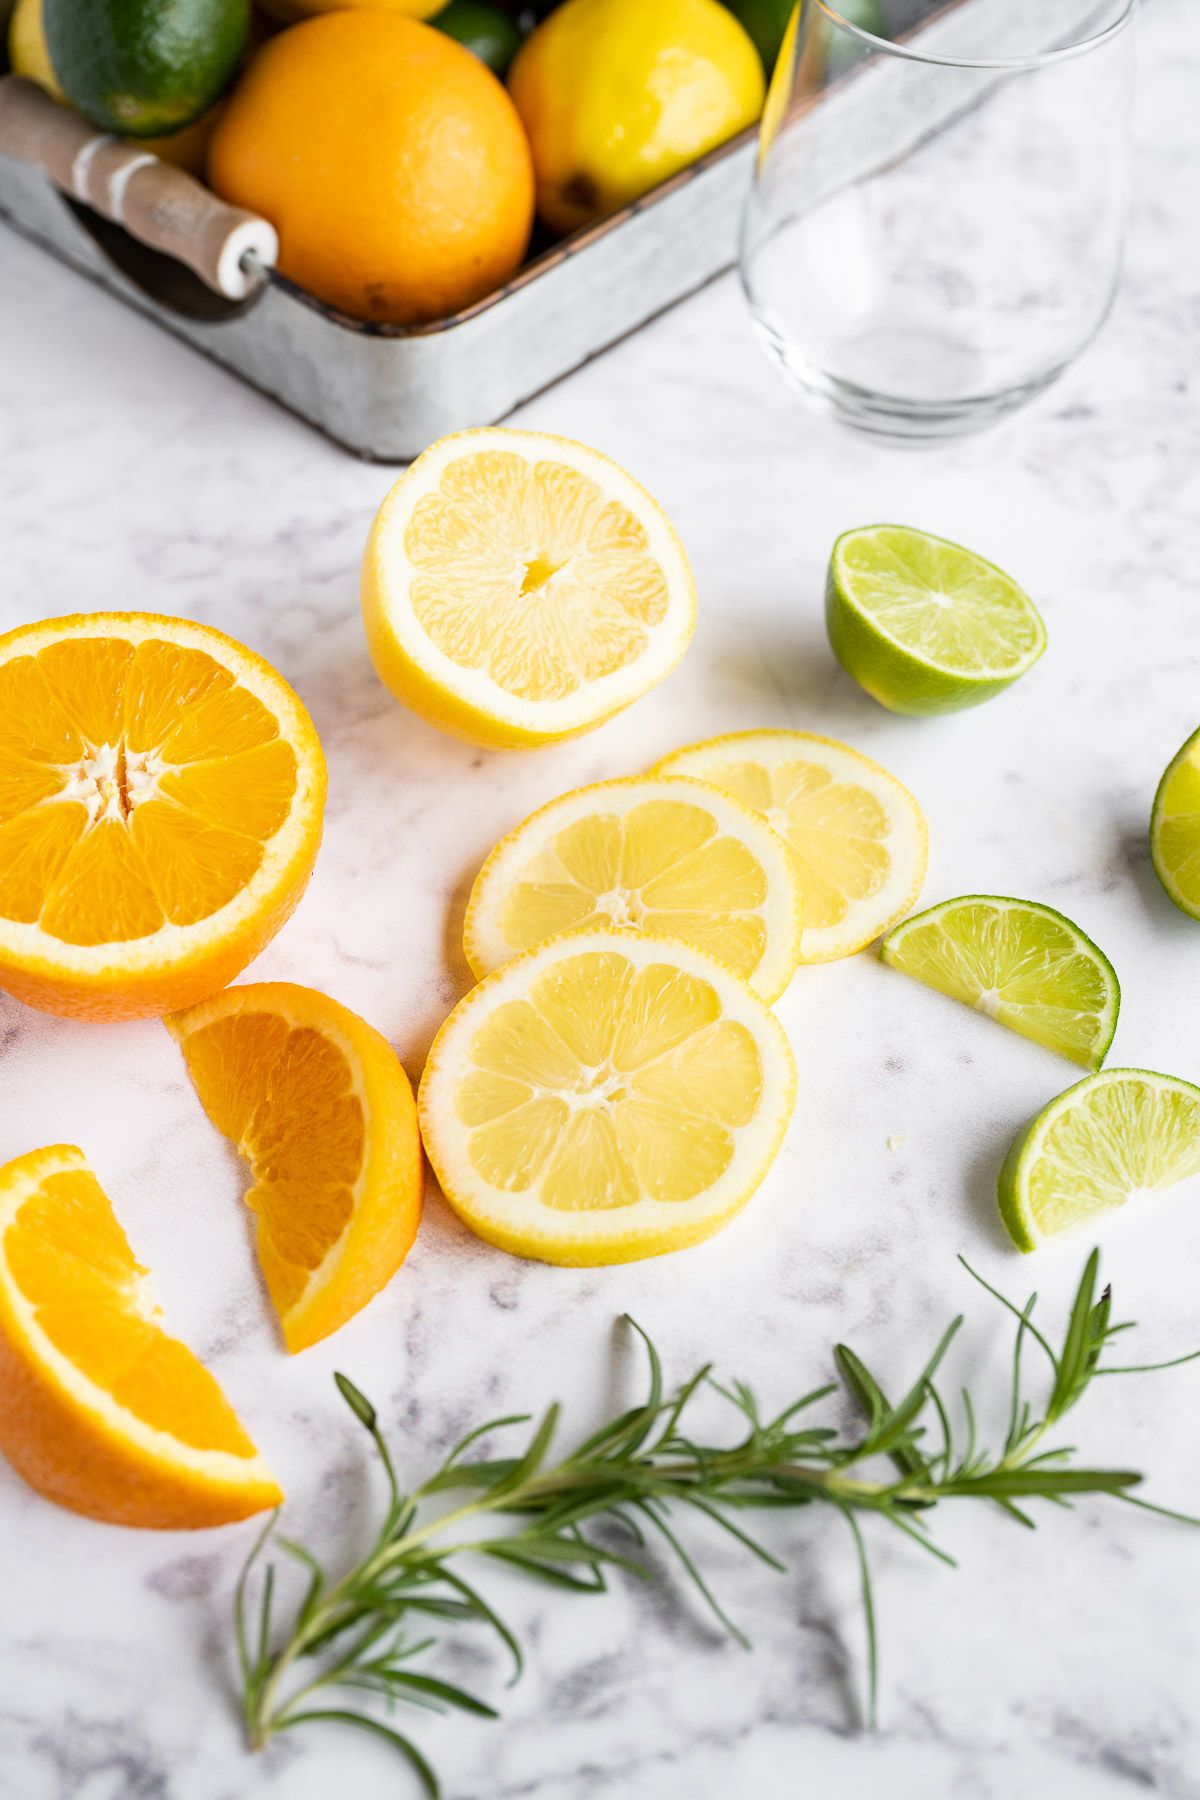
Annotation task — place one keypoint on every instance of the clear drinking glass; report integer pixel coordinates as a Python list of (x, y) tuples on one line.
[(937, 219)]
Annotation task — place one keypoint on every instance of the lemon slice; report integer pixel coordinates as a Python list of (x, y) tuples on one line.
[(1112, 1138), (605, 1097), (519, 587), (859, 835), (671, 857)]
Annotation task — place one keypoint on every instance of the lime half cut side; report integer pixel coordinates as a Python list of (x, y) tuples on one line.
[(1175, 829), (1021, 963), (1112, 1138), (924, 625)]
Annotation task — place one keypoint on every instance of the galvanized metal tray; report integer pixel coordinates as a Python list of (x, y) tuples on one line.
[(387, 391)]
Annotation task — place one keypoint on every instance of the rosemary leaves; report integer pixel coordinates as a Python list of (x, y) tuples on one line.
[(362, 1638)]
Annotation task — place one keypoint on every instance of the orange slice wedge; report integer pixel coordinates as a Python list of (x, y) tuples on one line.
[(318, 1104), (161, 794), (99, 1409)]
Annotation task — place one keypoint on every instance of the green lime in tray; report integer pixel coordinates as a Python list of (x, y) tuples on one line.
[(486, 30), (142, 67)]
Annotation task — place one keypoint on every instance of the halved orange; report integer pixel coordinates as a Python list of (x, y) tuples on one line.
[(161, 795), (99, 1409), (318, 1104)]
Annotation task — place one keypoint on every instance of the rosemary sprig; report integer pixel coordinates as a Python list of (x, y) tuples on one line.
[(363, 1634)]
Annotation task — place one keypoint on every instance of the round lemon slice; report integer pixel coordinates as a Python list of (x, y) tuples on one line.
[(605, 1097), (518, 588), (859, 835), (671, 857)]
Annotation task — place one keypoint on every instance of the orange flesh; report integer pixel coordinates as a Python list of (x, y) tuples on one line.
[(70, 1260), (138, 785), (285, 1096)]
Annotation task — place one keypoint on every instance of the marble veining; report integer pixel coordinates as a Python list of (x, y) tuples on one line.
[(135, 474)]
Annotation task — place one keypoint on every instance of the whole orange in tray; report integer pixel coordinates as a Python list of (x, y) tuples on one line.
[(161, 795), (390, 161)]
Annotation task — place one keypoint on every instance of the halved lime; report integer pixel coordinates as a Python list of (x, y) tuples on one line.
[(1112, 1138), (1020, 963), (1175, 829), (924, 625)]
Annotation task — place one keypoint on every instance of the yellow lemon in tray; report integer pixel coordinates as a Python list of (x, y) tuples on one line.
[(519, 587), (663, 855), (618, 95), (603, 1097)]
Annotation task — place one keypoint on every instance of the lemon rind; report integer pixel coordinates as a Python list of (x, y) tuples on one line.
[(472, 694), (866, 920), (486, 949), (519, 1223)]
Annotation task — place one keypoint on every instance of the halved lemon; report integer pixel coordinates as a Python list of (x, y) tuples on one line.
[(100, 1410), (605, 1097), (859, 835), (518, 587), (671, 857), (318, 1104), (161, 795)]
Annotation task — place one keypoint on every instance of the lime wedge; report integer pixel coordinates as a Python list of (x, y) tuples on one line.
[(923, 625), (1020, 963), (1175, 829), (1109, 1139)]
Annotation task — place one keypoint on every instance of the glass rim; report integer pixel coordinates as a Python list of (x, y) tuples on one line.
[(1001, 64)]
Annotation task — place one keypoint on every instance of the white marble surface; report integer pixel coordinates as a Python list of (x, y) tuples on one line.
[(135, 475)]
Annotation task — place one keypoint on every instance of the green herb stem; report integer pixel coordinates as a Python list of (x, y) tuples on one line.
[(638, 1474)]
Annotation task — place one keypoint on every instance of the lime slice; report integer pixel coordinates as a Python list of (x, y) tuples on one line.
[(923, 625), (1175, 829), (1020, 963), (1109, 1139)]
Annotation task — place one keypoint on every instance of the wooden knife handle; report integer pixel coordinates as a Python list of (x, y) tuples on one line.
[(163, 207)]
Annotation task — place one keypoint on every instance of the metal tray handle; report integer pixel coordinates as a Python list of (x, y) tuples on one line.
[(163, 207)]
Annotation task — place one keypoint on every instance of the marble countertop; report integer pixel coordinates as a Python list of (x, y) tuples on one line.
[(1066, 1662)]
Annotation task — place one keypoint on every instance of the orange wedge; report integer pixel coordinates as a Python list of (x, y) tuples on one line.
[(318, 1104), (161, 793), (99, 1409)]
